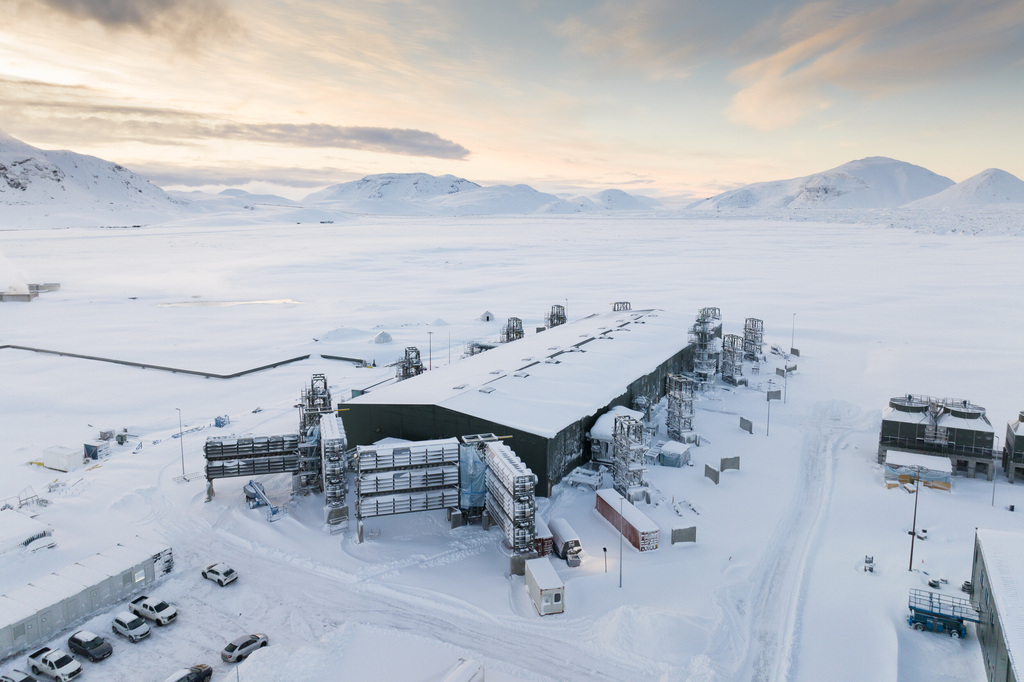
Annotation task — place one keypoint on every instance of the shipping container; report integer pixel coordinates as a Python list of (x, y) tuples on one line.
[(543, 543), (634, 525), (546, 588)]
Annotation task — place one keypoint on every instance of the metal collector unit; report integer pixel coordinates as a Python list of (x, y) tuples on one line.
[(510, 492), (406, 477)]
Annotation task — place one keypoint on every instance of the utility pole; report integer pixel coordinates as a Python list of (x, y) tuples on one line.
[(430, 350), (913, 530), (792, 338), (181, 441)]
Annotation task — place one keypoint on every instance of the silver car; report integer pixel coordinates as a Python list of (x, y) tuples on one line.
[(240, 648), (222, 574), (131, 626)]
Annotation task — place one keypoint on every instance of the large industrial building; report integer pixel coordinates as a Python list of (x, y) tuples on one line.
[(1013, 448), (998, 583), (956, 429), (544, 390)]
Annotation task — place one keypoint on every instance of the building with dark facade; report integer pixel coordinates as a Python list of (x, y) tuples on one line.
[(544, 390), (998, 583), (1013, 448), (956, 429)]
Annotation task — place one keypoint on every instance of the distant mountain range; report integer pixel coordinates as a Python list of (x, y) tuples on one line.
[(62, 188)]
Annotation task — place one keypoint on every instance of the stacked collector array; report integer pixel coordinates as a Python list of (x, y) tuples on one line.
[(510, 496)]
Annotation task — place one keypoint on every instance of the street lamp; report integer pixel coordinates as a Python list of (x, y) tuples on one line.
[(430, 350), (181, 442), (913, 530), (605, 559), (792, 337)]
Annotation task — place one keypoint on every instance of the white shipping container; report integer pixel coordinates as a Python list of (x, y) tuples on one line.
[(546, 588), (60, 458)]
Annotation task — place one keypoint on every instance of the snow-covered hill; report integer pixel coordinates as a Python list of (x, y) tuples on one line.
[(989, 187), (62, 187), (874, 182), (423, 194)]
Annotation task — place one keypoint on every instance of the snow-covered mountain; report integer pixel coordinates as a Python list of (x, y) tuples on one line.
[(84, 188), (423, 194), (989, 187), (874, 182)]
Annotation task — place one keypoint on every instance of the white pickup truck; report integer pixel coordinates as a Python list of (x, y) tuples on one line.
[(151, 608), (55, 663)]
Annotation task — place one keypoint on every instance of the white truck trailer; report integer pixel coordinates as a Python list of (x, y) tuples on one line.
[(546, 589)]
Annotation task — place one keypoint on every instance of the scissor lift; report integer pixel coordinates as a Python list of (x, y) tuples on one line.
[(940, 613)]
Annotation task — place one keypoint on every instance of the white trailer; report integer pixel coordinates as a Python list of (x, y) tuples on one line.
[(546, 588)]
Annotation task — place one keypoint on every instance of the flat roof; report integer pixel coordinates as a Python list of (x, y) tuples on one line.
[(547, 380), (910, 459), (630, 513), (16, 527), (1003, 552), (544, 573)]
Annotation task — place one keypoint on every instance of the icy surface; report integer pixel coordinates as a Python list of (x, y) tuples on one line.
[(773, 589)]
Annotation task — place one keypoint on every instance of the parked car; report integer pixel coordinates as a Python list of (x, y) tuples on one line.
[(55, 663), (131, 626), (154, 609), (93, 647), (17, 676), (239, 649), (222, 574), (197, 673)]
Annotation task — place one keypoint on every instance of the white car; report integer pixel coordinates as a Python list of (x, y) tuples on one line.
[(131, 626), (239, 649), (222, 574)]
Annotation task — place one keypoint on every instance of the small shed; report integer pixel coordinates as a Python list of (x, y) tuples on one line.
[(935, 471), (546, 589), (487, 316), (382, 337), (60, 458), (674, 454), (17, 530)]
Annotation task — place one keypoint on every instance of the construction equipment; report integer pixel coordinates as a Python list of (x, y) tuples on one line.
[(940, 613), (256, 496)]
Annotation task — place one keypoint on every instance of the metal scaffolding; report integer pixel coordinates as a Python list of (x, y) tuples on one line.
[(753, 338), (701, 334), (628, 468), (732, 359), (510, 496), (680, 391), (621, 306), (557, 315), (409, 366), (332, 451), (513, 330)]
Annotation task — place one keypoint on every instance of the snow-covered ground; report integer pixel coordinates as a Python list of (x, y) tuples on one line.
[(772, 590)]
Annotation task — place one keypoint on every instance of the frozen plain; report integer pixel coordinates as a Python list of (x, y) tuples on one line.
[(771, 591)]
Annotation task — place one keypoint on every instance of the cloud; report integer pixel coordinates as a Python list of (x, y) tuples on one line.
[(184, 21), (233, 176), (41, 107), (880, 49)]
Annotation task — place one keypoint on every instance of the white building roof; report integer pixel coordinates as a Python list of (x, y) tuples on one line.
[(604, 428), (1003, 552), (891, 414), (899, 458), (544, 573), (548, 380), (674, 447)]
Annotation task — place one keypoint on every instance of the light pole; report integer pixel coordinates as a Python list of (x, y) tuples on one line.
[(181, 442), (913, 530), (605, 559), (792, 337), (995, 443), (430, 350)]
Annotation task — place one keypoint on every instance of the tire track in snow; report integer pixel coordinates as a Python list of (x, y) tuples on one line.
[(762, 642)]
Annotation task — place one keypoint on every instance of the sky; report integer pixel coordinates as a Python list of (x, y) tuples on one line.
[(667, 98)]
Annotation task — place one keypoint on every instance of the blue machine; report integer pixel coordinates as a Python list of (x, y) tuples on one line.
[(940, 613)]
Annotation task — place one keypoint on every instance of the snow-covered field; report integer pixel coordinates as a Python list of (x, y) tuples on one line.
[(772, 590)]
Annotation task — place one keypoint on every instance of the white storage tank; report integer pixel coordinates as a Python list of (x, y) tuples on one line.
[(546, 588)]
